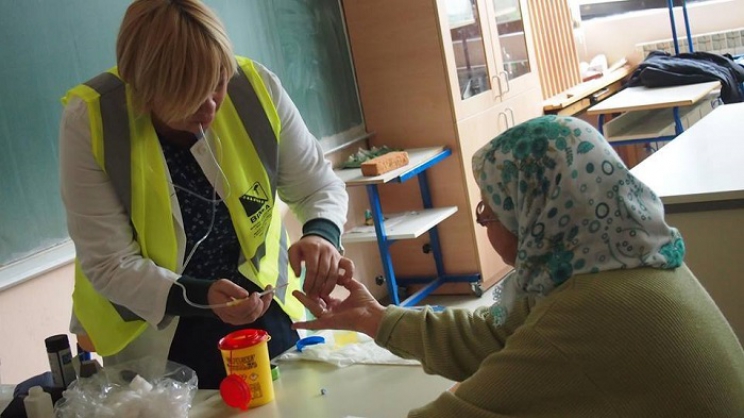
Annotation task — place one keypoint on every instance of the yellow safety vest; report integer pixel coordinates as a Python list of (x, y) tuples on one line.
[(137, 169)]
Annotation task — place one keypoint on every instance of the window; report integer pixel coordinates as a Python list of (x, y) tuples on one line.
[(591, 9)]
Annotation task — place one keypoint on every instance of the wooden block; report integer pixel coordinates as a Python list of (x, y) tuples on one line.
[(384, 163)]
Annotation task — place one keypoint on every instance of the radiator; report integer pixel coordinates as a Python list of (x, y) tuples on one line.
[(724, 42)]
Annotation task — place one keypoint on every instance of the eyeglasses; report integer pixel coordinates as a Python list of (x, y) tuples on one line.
[(483, 221)]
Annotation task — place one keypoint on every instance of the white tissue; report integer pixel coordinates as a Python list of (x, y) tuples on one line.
[(140, 385), (344, 348)]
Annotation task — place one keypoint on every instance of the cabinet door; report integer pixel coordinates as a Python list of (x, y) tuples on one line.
[(512, 47), (466, 35)]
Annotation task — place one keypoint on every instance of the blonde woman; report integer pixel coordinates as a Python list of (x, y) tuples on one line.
[(601, 317), (172, 164)]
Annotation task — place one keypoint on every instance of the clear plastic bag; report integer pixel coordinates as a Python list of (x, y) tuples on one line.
[(138, 389)]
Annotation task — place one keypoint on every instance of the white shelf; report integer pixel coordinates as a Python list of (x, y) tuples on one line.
[(650, 124), (416, 157), (398, 226)]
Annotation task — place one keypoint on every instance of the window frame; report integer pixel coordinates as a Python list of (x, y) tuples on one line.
[(597, 9)]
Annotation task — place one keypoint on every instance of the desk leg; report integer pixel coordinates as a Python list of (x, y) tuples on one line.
[(600, 124), (383, 243), (678, 128), (433, 232)]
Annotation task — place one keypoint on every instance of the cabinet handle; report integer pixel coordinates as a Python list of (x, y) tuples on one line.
[(511, 112), (498, 82), (506, 77), (506, 120)]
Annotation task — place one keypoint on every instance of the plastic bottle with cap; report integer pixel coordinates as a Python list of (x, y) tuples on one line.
[(60, 360), (38, 404)]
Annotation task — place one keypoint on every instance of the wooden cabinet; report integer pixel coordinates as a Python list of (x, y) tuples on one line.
[(451, 73), (487, 52)]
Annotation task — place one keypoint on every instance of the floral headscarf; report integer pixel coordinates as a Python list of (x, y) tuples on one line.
[(561, 189)]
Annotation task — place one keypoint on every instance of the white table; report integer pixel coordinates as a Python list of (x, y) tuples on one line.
[(700, 178), (358, 390)]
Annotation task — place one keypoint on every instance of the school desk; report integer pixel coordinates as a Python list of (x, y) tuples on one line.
[(653, 114), (700, 179)]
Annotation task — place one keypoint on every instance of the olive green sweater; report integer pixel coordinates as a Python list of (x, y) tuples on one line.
[(626, 343)]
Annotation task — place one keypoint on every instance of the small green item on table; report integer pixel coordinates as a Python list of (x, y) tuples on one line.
[(356, 160)]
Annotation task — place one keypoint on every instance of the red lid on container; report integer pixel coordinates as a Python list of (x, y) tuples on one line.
[(235, 392), (243, 338)]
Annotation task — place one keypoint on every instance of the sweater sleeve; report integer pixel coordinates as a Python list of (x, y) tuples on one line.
[(498, 380), (196, 290), (452, 343), (513, 383), (623, 343)]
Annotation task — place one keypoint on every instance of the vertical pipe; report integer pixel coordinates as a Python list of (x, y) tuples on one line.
[(687, 26), (670, 5)]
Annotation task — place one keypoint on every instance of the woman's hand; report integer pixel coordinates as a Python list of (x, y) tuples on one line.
[(324, 265), (247, 307), (358, 312)]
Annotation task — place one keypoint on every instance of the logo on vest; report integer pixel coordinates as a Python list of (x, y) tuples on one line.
[(255, 202)]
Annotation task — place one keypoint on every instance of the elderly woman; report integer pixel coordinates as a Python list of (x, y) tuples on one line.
[(601, 317)]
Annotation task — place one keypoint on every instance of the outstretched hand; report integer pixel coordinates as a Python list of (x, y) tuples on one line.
[(358, 312)]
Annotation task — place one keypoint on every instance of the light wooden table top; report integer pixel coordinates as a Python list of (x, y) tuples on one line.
[(564, 99), (645, 98), (703, 164)]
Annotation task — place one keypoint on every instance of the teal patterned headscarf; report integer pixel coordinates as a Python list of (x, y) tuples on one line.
[(561, 189)]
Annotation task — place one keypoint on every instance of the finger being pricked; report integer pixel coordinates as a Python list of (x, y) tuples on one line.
[(317, 308), (315, 305)]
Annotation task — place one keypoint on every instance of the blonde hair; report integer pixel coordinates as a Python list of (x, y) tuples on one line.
[(173, 54)]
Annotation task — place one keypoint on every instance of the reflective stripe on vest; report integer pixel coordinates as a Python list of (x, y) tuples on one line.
[(137, 171)]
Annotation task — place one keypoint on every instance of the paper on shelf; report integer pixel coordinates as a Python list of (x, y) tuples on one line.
[(390, 223)]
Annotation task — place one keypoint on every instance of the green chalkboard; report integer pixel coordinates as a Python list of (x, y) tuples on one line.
[(49, 46)]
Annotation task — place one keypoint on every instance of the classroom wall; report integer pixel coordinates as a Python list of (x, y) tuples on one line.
[(617, 36), (30, 312)]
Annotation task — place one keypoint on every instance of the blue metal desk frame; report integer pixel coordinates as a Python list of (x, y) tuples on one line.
[(384, 243)]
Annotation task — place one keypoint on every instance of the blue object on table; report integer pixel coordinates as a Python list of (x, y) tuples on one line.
[(44, 380), (312, 340)]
